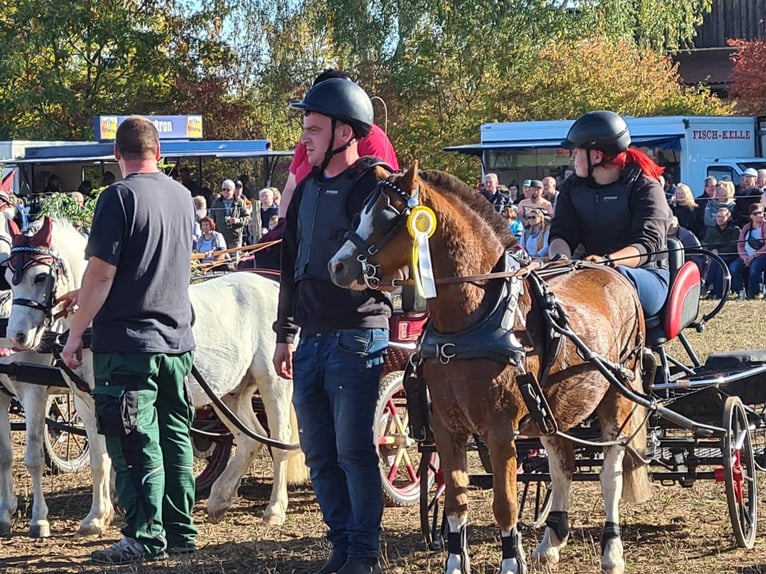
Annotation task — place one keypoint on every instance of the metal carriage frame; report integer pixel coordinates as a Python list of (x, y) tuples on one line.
[(706, 421)]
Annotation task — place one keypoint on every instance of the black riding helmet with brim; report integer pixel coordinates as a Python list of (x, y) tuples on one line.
[(599, 130), (342, 101)]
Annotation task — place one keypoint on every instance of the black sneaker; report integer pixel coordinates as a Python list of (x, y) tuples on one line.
[(334, 564), (361, 566), (124, 551)]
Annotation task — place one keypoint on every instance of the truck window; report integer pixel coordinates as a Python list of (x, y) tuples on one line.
[(721, 172), (514, 165)]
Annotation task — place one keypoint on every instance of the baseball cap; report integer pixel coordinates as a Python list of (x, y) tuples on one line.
[(750, 172), (527, 183), (535, 183)]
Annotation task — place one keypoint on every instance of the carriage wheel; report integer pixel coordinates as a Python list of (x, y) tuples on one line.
[(400, 461), (534, 496), (433, 523), (213, 445), (740, 473), (65, 442)]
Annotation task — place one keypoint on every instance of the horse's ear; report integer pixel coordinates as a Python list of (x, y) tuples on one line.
[(13, 227), (408, 179), (43, 237)]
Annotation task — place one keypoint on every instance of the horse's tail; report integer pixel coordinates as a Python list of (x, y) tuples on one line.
[(297, 471), (636, 486)]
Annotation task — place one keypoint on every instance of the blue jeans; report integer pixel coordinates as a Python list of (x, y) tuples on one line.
[(715, 279), (753, 273), (651, 284), (336, 379)]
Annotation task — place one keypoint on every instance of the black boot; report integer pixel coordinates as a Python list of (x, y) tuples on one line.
[(361, 566), (334, 564)]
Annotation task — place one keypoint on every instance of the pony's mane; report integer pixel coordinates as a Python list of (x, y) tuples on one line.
[(62, 224), (450, 184)]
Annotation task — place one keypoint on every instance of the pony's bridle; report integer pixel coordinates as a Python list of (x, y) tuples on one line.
[(39, 256), (391, 218)]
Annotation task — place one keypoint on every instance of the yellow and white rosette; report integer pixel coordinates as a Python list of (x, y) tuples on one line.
[(421, 224)]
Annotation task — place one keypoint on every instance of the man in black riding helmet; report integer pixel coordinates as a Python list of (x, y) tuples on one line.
[(614, 206), (337, 365)]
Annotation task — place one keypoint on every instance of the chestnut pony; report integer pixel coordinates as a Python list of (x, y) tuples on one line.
[(474, 394)]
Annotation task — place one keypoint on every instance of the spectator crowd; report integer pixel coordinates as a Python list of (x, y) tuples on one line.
[(724, 218)]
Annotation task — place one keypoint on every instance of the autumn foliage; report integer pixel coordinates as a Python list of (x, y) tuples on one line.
[(748, 77)]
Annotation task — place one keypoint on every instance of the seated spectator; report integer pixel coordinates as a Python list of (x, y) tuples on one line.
[(273, 222), (745, 194), (535, 200), (490, 191), (514, 225), (534, 239), (200, 207), (707, 195), (268, 209), (687, 211), (748, 268), (721, 240), (723, 196), (689, 241), (210, 241)]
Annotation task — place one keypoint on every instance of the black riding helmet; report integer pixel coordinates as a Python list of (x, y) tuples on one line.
[(600, 130), (342, 100)]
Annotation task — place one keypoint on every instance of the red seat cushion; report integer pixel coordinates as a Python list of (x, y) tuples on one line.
[(683, 301)]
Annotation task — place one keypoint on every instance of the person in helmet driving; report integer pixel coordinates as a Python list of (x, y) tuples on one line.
[(337, 365), (614, 206)]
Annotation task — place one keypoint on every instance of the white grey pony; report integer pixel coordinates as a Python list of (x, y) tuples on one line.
[(235, 344)]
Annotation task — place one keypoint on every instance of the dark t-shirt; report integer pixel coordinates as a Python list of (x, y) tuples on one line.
[(143, 226)]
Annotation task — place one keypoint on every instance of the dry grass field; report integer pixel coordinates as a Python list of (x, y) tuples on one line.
[(681, 530)]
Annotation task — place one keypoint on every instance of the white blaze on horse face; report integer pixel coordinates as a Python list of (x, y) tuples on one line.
[(25, 324), (347, 254)]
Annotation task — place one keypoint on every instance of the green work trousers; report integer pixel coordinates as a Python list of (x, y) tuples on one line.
[(144, 410)]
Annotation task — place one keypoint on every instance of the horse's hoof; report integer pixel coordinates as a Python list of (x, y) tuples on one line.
[(548, 558), (275, 515), (215, 517), (42, 530), (273, 519), (92, 529), (5, 530)]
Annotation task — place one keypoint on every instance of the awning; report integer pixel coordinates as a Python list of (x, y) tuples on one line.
[(661, 142), (104, 151)]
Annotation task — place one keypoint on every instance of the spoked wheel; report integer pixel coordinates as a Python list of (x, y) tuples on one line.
[(535, 494), (65, 442), (213, 443), (433, 523), (400, 461), (740, 473)]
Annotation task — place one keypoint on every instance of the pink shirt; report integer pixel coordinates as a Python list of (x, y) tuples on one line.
[(376, 143)]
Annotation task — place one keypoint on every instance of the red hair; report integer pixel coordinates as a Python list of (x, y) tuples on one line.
[(209, 220), (644, 162)]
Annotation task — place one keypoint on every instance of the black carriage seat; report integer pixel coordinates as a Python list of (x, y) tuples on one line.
[(682, 305)]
